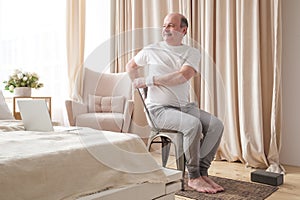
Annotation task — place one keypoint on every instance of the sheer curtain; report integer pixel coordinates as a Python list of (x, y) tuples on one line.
[(88, 36), (239, 81), (75, 46), (32, 38)]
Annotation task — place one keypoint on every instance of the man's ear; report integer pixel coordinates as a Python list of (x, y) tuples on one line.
[(185, 30)]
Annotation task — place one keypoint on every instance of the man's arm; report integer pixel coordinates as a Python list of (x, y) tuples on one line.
[(171, 79), (132, 69), (175, 78)]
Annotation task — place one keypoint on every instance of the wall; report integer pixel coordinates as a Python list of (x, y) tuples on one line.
[(291, 82)]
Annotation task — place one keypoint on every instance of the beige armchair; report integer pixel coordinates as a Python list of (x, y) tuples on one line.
[(107, 102)]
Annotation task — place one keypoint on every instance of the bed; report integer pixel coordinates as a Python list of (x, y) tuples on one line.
[(79, 164)]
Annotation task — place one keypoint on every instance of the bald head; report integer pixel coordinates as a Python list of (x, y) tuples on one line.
[(179, 18)]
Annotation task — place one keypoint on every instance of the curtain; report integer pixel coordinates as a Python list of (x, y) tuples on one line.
[(75, 46), (136, 23), (248, 57), (239, 80)]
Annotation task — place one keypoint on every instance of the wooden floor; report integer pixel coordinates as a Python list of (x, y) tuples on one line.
[(289, 190)]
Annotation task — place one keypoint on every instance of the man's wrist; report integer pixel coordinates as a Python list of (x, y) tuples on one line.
[(150, 81)]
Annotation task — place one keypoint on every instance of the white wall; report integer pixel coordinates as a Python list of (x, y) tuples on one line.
[(291, 83)]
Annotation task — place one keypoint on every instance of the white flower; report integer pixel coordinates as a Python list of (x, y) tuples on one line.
[(25, 78), (20, 75), (11, 88), (34, 74)]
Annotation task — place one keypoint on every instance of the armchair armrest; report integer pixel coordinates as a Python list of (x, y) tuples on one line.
[(127, 115), (74, 109)]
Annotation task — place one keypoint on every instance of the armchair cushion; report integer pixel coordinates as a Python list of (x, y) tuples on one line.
[(106, 104), (101, 121)]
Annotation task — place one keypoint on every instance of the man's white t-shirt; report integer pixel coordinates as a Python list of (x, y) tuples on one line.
[(160, 59)]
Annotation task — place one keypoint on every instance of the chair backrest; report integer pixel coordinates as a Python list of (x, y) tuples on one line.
[(151, 122), (106, 84), (148, 114)]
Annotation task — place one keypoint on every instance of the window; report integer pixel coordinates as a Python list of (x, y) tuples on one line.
[(32, 38), (97, 34), (97, 26)]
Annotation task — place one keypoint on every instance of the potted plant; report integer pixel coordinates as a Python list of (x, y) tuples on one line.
[(21, 83)]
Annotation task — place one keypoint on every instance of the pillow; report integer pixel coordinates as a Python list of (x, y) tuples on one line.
[(106, 104), (4, 110)]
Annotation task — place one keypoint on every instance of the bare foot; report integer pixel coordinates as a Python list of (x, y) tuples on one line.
[(200, 185), (213, 184)]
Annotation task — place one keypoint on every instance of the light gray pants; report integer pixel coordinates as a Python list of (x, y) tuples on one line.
[(201, 134)]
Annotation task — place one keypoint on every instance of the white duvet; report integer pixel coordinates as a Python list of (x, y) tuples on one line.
[(67, 165)]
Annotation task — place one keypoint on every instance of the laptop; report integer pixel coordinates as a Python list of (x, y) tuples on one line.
[(36, 117)]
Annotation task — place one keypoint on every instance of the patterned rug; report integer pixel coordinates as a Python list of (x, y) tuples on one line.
[(234, 190)]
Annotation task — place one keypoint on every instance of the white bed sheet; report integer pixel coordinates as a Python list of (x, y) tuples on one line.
[(67, 165)]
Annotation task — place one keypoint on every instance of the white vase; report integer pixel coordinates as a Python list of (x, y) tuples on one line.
[(22, 92)]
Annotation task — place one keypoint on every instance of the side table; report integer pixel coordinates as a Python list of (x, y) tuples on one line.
[(16, 111)]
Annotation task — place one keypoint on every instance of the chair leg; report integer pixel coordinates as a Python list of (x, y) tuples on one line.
[(165, 150), (151, 138), (180, 161), (181, 167), (182, 181)]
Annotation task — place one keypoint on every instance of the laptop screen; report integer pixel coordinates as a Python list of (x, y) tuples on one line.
[(35, 115)]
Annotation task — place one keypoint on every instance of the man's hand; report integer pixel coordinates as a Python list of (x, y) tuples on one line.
[(139, 83)]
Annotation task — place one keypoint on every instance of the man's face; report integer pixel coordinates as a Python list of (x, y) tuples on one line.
[(172, 32)]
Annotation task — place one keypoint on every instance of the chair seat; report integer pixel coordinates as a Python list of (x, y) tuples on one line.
[(101, 121)]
